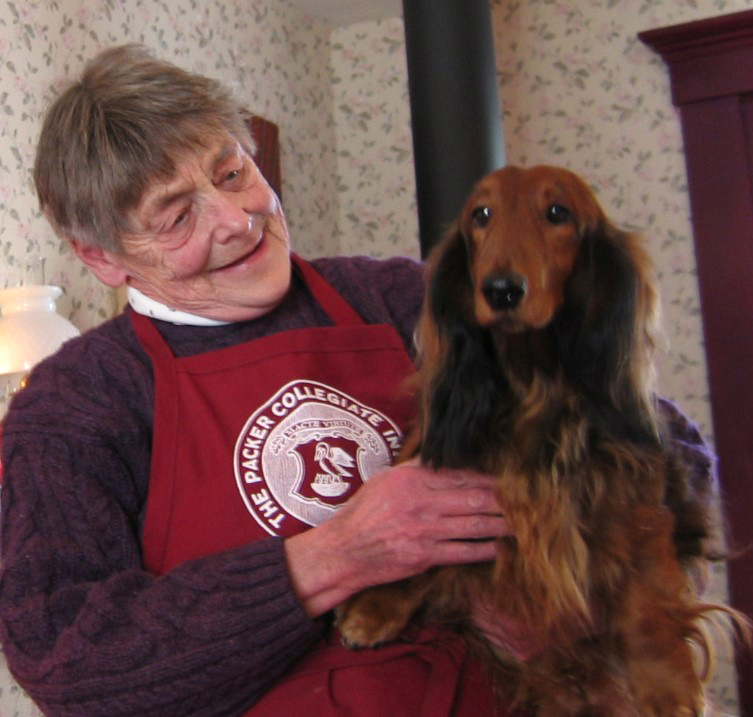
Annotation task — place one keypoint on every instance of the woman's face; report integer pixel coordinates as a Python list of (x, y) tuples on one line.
[(212, 240)]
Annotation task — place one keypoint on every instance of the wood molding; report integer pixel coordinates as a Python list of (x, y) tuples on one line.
[(711, 72), (266, 134), (706, 58)]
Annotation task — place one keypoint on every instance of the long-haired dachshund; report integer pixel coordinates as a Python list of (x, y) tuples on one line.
[(536, 346)]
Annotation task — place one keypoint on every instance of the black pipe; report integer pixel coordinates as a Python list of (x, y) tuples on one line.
[(455, 110)]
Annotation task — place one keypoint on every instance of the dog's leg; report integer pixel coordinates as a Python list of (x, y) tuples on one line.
[(657, 624), (661, 669)]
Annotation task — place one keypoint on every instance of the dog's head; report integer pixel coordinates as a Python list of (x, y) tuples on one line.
[(523, 230), (533, 254)]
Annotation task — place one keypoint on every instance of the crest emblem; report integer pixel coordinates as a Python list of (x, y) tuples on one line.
[(306, 451), (334, 462)]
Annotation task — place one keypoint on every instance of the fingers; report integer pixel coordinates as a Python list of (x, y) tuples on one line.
[(465, 501), (475, 527), (456, 513), (446, 478), (448, 492), (462, 552), (468, 539)]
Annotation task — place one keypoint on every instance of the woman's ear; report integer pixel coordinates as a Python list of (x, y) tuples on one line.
[(105, 265)]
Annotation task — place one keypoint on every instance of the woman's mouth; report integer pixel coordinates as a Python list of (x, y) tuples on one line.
[(242, 260)]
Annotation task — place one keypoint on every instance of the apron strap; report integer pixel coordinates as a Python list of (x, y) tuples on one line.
[(334, 305), (150, 338)]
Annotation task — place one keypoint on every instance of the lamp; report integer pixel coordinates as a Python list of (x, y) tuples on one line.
[(30, 327), (30, 330)]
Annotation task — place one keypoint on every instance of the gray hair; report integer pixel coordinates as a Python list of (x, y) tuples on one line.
[(126, 122)]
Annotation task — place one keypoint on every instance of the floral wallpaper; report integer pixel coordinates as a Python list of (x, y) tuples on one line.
[(577, 89), (375, 177)]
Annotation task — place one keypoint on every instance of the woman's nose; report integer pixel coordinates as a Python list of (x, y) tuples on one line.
[(227, 217), (228, 210)]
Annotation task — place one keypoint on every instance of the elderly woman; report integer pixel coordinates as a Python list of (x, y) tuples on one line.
[(193, 486)]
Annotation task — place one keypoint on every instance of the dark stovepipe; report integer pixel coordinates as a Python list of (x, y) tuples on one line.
[(455, 109)]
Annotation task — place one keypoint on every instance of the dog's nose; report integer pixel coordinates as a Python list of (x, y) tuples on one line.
[(503, 291)]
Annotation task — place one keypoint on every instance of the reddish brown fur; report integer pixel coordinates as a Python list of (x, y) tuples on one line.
[(572, 434)]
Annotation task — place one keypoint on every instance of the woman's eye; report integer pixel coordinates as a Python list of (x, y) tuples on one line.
[(234, 176), (481, 216), (557, 214), (182, 218)]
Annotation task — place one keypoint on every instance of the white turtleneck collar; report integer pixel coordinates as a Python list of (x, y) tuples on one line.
[(143, 304)]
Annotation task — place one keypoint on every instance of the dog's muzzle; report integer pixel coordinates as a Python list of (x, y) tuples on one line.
[(503, 292)]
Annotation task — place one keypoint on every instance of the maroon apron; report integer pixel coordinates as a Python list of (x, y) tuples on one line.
[(269, 437)]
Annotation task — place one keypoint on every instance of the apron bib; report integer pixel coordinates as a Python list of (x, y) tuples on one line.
[(269, 437)]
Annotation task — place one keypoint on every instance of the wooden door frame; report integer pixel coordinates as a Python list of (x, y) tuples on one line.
[(711, 72)]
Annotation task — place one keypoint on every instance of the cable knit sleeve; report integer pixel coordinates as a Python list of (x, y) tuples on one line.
[(85, 629), (691, 491), (687, 442)]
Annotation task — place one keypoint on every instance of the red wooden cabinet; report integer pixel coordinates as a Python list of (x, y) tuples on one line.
[(266, 134)]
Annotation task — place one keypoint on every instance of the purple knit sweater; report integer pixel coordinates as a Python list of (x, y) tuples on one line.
[(86, 630)]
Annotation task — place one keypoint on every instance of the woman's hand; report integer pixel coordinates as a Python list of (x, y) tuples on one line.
[(401, 522)]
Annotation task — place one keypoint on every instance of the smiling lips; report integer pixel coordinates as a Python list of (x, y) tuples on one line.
[(240, 260)]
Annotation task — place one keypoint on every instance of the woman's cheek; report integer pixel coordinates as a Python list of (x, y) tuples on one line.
[(189, 261)]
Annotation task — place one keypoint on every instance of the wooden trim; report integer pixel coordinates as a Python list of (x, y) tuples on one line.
[(711, 72), (701, 38), (266, 134), (706, 58)]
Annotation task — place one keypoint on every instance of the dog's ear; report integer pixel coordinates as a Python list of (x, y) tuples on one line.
[(457, 358), (602, 335)]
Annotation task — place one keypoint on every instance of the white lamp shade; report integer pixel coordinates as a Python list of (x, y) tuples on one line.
[(30, 328)]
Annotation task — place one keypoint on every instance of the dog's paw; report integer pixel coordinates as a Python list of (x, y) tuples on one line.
[(379, 614), (366, 626)]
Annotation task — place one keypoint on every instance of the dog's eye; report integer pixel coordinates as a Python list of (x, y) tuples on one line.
[(557, 214), (481, 216)]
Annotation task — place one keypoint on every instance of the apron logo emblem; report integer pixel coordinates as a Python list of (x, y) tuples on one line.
[(306, 451), (333, 461)]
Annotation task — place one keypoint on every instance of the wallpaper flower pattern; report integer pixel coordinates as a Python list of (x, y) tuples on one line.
[(375, 178), (577, 89)]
